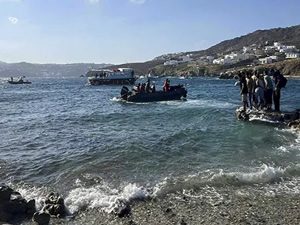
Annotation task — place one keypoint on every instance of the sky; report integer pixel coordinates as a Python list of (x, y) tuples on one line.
[(121, 31)]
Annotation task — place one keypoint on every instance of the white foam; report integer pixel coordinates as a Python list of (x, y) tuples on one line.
[(205, 104), (264, 174), (116, 99), (262, 119), (28, 192), (103, 197), (283, 149)]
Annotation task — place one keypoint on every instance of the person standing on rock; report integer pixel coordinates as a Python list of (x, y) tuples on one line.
[(254, 86), (250, 88), (259, 92), (269, 89), (244, 89), (279, 82)]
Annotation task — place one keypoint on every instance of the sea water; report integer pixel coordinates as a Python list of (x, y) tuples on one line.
[(83, 142)]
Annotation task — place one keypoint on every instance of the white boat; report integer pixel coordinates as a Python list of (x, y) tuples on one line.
[(111, 76)]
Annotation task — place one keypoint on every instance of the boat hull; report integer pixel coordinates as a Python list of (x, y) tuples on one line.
[(19, 82), (175, 94), (99, 81)]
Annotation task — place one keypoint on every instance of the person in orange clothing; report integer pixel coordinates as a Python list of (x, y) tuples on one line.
[(167, 85)]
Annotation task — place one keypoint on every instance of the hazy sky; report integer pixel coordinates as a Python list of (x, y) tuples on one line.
[(118, 31)]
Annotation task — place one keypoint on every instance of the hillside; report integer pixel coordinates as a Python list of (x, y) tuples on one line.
[(288, 36), (260, 39)]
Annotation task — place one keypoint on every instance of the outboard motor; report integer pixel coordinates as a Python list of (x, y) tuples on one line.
[(124, 92)]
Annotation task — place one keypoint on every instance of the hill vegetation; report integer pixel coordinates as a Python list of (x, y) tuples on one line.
[(288, 36)]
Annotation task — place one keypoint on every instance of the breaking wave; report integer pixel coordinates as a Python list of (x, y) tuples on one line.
[(107, 199)]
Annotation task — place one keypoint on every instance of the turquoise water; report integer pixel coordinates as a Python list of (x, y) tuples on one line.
[(80, 140)]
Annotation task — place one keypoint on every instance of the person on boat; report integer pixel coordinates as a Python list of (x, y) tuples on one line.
[(147, 89), (11, 78), (142, 89), (138, 87), (167, 85), (135, 88), (153, 87)]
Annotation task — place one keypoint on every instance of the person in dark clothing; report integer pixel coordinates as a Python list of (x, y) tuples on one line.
[(244, 89), (148, 86), (268, 89), (277, 76), (143, 88)]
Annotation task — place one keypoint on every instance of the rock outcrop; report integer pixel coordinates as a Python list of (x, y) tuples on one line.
[(291, 119), (13, 207), (54, 205)]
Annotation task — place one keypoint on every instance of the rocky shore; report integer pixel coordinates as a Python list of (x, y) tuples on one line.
[(15, 209), (231, 205), (220, 204), (291, 119)]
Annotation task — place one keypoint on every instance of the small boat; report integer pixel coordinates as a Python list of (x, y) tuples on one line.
[(111, 76), (21, 80), (175, 93)]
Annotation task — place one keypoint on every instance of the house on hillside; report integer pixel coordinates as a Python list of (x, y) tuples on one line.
[(288, 49), (222, 61), (266, 60), (292, 55), (247, 49), (171, 63), (186, 58), (277, 44)]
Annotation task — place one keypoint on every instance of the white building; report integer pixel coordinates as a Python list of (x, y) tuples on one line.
[(292, 55), (222, 61), (278, 45), (265, 60), (289, 49), (186, 58), (273, 57), (247, 49), (171, 63)]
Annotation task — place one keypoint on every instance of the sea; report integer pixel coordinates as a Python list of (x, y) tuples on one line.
[(63, 135)]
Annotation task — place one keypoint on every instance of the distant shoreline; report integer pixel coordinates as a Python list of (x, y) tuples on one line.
[(292, 77)]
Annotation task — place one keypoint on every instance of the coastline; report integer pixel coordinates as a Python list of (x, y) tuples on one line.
[(231, 205)]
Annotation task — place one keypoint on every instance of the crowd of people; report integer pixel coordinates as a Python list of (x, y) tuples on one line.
[(145, 87), (258, 89)]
